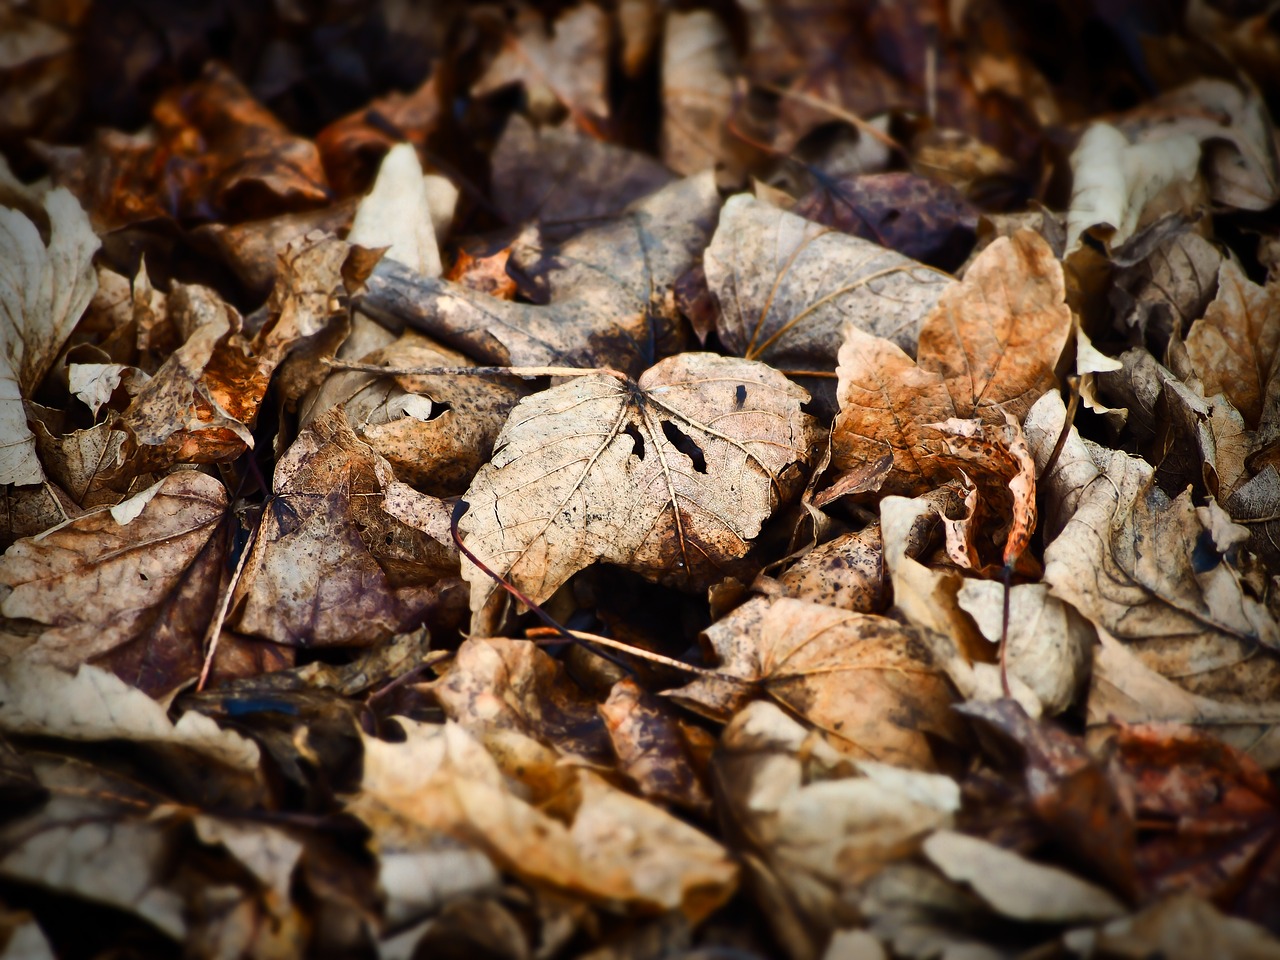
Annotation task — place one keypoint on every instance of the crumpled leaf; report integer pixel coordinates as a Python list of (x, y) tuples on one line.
[(616, 848), (610, 290), (1116, 182), (1235, 347), (787, 288), (817, 835), (987, 350), (345, 554), (564, 63), (671, 476), (43, 292), (1146, 568), (697, 90), (1168, 289), (130, 589), (865, 682)]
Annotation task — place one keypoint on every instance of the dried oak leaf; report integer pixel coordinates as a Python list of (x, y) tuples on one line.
[(43, 292), (345, 554), (614, 848), (131, 588), (787, 288), (865, 682), (987, 349), (611, 290), (1149, 569), (561, 64), (1235, 348), (671, 476)]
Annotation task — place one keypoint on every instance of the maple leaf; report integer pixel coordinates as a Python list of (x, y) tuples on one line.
[(671, 475)]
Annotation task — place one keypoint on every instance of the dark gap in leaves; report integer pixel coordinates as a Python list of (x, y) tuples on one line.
[(438, 409), (1205, 556), (637, 441), (685, 444)]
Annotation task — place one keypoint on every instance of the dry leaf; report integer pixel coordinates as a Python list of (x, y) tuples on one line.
[(787, 288), (1018, 888), (131, 588), (1143, 567), (561, 64), (986, 351), (846, 572), (396, 214), (671, 476), (1169, 288), (865, 682), (43, 292), (610, 287), (617, 848), (1181, 927), (344, 554), (1235, 348), (697, 90)]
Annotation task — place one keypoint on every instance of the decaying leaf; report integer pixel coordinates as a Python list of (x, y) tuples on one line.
[(671, 475), (865, 682), (345, 553), (616, 848), (131, 588), (845, 572), (697, 90), (43, 292)]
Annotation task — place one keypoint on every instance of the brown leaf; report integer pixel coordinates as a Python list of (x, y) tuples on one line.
[(865, 682), (344, 554), (1236, 346), (697, 90), (499, 684), (43, 291), (565, 179), (920, 218), (616, 848), (561, 64), (846, 572), (650, 748), (1169, 289), (671, 476), (131, 589), (1145, 568), (788, 288), (610, 291)]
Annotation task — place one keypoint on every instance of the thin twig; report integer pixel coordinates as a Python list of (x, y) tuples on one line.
[(526, 372), (1074, 384)]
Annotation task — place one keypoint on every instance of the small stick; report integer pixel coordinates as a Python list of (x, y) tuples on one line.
[(1067, 420), (214, 633), (526, 372)]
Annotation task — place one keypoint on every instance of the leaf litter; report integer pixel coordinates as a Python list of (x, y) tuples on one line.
[(385, 575)]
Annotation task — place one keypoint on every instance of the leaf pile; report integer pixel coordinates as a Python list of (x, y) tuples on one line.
[(629, 480)]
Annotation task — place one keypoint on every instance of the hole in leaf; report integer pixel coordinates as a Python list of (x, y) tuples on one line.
[(684, 443), (739, 396), (438, 409), (637, 441), (1205, 555)]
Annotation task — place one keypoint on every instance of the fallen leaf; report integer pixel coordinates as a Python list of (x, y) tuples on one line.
[(567, 180), (1117, 183), (671, 475), (345, 554), (650, 749), (561, 64), (1143, 567), (1018, 888), (987, 350), (1235, 347), (617, 848), (920, 218), (1179, 927), (865, 682), (788, 288), (846, 572), (43, 291), (818, 834), (697, 90), (131, 588), (1123, 690), (395, 214), (1168, 289), (610, 291)]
